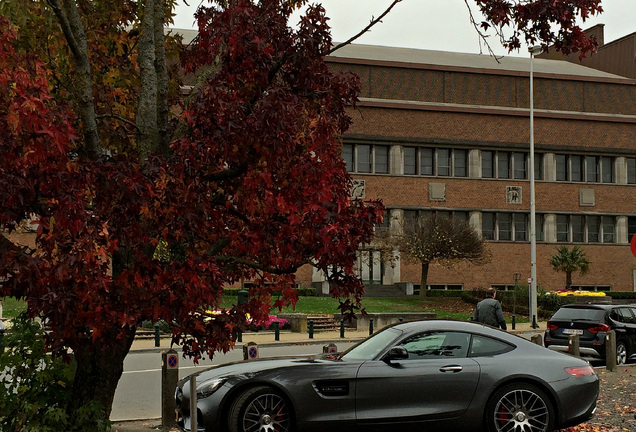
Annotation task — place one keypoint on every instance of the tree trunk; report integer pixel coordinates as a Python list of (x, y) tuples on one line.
[(71, 23), (568, 280), (146, 116), (99, 367), (424, 279)]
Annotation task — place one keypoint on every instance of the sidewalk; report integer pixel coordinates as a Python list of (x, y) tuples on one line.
[(288, 338)]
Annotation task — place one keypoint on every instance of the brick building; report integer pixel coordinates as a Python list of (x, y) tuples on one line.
[(448, 132)]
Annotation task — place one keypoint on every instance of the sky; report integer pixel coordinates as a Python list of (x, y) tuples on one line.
[(442, 25)]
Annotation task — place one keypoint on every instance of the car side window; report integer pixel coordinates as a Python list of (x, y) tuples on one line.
[(627, 316), (437, 345), (615, 315), (482, 346)]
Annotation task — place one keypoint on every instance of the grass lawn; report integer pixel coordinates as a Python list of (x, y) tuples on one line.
[(11, 307), (444, 307), (328, 305)]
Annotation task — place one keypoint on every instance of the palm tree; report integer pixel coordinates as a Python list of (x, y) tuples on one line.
[(569, 261)]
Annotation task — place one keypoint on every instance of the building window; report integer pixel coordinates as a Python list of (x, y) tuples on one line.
[(590, 169), (563, 228), (460, 163), (562, 172), (487, 164), (443, 162), (608, 227), (520, 222), (488, 226), (381, 158), (347, 155), (607, 170), (505, 165), (538, 166), (435, 162), (410, 160), (538, 220), (586, 229), (631, 170), (366, 158), (631, 227), (426, 162), (520, 169), (593, 229), (509, 226)]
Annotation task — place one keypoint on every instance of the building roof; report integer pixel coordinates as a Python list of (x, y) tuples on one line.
[(411, 56), (471, 61)]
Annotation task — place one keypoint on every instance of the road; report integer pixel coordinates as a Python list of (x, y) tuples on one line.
[(138, 394)]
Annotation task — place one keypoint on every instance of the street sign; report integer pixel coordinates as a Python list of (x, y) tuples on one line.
[(173, 361)]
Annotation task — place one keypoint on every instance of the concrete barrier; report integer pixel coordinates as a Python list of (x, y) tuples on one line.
[(381, 320)]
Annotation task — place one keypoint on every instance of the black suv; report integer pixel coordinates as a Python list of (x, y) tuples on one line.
[(592, 322)]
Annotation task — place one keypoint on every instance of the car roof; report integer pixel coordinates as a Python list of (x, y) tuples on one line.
[(596, 306)]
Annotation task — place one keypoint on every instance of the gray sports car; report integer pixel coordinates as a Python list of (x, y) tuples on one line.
[(435, 375)]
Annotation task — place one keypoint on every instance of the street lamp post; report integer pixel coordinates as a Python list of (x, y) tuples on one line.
[(533, 221)]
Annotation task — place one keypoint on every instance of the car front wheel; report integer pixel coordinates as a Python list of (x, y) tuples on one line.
[(520, 407), (260, 409), (621, 353)]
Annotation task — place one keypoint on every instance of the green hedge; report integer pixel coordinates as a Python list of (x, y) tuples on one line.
[(303, 292), (621, 294), (444, 293)]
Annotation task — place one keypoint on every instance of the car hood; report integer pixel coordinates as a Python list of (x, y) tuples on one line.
[(248, 368)]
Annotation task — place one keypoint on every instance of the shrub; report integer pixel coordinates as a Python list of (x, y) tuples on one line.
[(35, 387)]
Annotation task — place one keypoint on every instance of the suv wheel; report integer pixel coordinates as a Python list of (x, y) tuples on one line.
[(621, 353)]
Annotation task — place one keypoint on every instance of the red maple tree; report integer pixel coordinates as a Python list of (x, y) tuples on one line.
[(147, 213)]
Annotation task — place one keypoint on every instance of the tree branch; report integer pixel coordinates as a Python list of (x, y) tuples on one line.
[(483, 36), (366, 29), (257, 266), (120, 118), (69, 19)]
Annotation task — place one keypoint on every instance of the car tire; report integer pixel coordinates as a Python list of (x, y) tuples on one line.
[(621, 353), (261, 409), (519, 407)]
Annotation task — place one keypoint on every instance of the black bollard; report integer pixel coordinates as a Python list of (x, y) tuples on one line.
[(157, 336), (370, 326), (342, 328), (239, 337), (311, 329), (1, 339), (276, 330)]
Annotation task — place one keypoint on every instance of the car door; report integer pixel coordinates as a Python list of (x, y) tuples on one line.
[(622, 324), (631, 328), (436, 382)]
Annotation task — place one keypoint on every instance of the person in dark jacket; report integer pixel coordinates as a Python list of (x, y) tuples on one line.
[(488, 311)]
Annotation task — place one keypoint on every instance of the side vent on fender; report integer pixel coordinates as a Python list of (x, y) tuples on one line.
[(332, 388)]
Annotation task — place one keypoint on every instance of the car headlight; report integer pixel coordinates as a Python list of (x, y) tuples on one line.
[(208, 387)]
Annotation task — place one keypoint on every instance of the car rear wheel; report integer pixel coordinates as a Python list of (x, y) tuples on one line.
[(520, 407), (621, 353), (260, 409)]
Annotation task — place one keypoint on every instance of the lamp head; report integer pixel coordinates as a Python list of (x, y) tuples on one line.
[(535, 50)]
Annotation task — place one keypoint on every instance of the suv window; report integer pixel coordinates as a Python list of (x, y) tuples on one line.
[(579, 314)]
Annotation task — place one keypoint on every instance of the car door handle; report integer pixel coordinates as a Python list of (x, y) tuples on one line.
[(453, 368)]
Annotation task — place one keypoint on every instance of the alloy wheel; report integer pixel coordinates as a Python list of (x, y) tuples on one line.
[(266, 413), (621, 353), (521, 410)]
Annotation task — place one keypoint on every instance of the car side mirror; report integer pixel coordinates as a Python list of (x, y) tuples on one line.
[(395, 353)]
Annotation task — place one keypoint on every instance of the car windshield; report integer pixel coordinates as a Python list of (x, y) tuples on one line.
[(579, 314), (371, 347)]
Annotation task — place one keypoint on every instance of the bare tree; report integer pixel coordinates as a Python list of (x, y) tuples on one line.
[(440, 239)]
